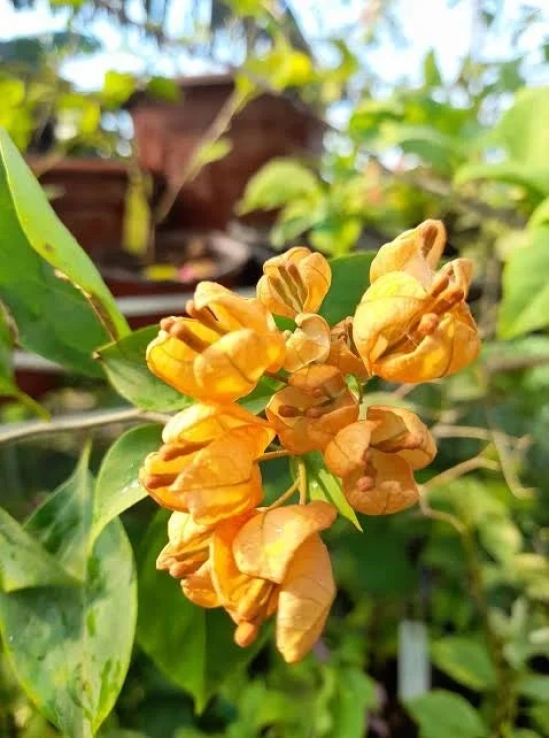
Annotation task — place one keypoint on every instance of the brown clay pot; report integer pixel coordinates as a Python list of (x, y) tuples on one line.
[(167, 133), (89, 198)]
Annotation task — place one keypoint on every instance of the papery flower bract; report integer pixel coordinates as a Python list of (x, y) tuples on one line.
[(309, 343), (416, 252), (213, 483), (405, 332), (199, 424), (294, 282), (376, 458), (220, 352), (187, 548), (312, 409), (343, 353), (276, 561)]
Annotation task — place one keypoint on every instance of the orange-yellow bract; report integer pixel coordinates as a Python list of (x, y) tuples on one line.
[(316, 405), (295, 282), (207, 465), (413, 324), (376, 458), (220, 352), (309, 343)]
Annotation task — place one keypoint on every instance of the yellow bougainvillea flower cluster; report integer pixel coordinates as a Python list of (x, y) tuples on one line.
[(224, 545)]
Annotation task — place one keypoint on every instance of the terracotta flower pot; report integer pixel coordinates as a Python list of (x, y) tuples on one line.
[(167, 133), (89, 198)]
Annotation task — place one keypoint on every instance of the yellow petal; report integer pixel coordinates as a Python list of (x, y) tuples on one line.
[(309, 343), (416, 252), (266, 544), (346, 451), (305, 598), (342, 352), (188, 546), (200, 424), (387, 487), (231, 368), (199, 588), (400, 431)]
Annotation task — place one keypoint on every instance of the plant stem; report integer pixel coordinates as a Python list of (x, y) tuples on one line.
[(285, 496), (82, 421), (302, 481), (278, 454)]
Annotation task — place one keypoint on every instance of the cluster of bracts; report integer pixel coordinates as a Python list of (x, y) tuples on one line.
[(412, 325)]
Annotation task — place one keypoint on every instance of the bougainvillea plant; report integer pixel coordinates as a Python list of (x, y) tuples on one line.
[(228, 548)]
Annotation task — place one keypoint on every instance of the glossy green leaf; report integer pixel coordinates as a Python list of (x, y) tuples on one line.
[(440, 713), (184, 641), (53, 318), (24, 563), (48, 237), (70, 647), (322, 485), (62, 523), (117, 88), (278, 182), (124, 364), (465, 660), (524, 304), (350, 279), (117, 486)]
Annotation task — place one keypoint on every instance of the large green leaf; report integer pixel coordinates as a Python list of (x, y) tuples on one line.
[(53, 318), (23, 562), (70, 647), (322, 485), (532, 176), (62, 523), (117, 486), (466, 660), (8, 387), (46, 235), (350, 279), (278, 182), (355, 695), (124, 363), (524, 127), (192, 646), (524, 305), (440, 713)]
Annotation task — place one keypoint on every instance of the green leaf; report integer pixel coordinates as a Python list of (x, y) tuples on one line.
[(117, 88), (214, 151), (524, 305), (524, 127), (277, 183), (193, 647), (432, 75), (355, 695), (71, 647), (465, 660), (117, 486), (50, 239), (350, 279), (24, 563), (535, 687), (323, 485), (124, 364), (539, 216), (53, 318), (256, 401), (440, 713), (62, 523), (533, 177)]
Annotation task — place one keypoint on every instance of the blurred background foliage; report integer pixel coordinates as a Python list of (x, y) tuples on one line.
[(440, 627)]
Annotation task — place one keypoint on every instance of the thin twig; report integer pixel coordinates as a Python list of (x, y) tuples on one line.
[(286, 495), (449, 475), (278, 454), (83, 421)]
